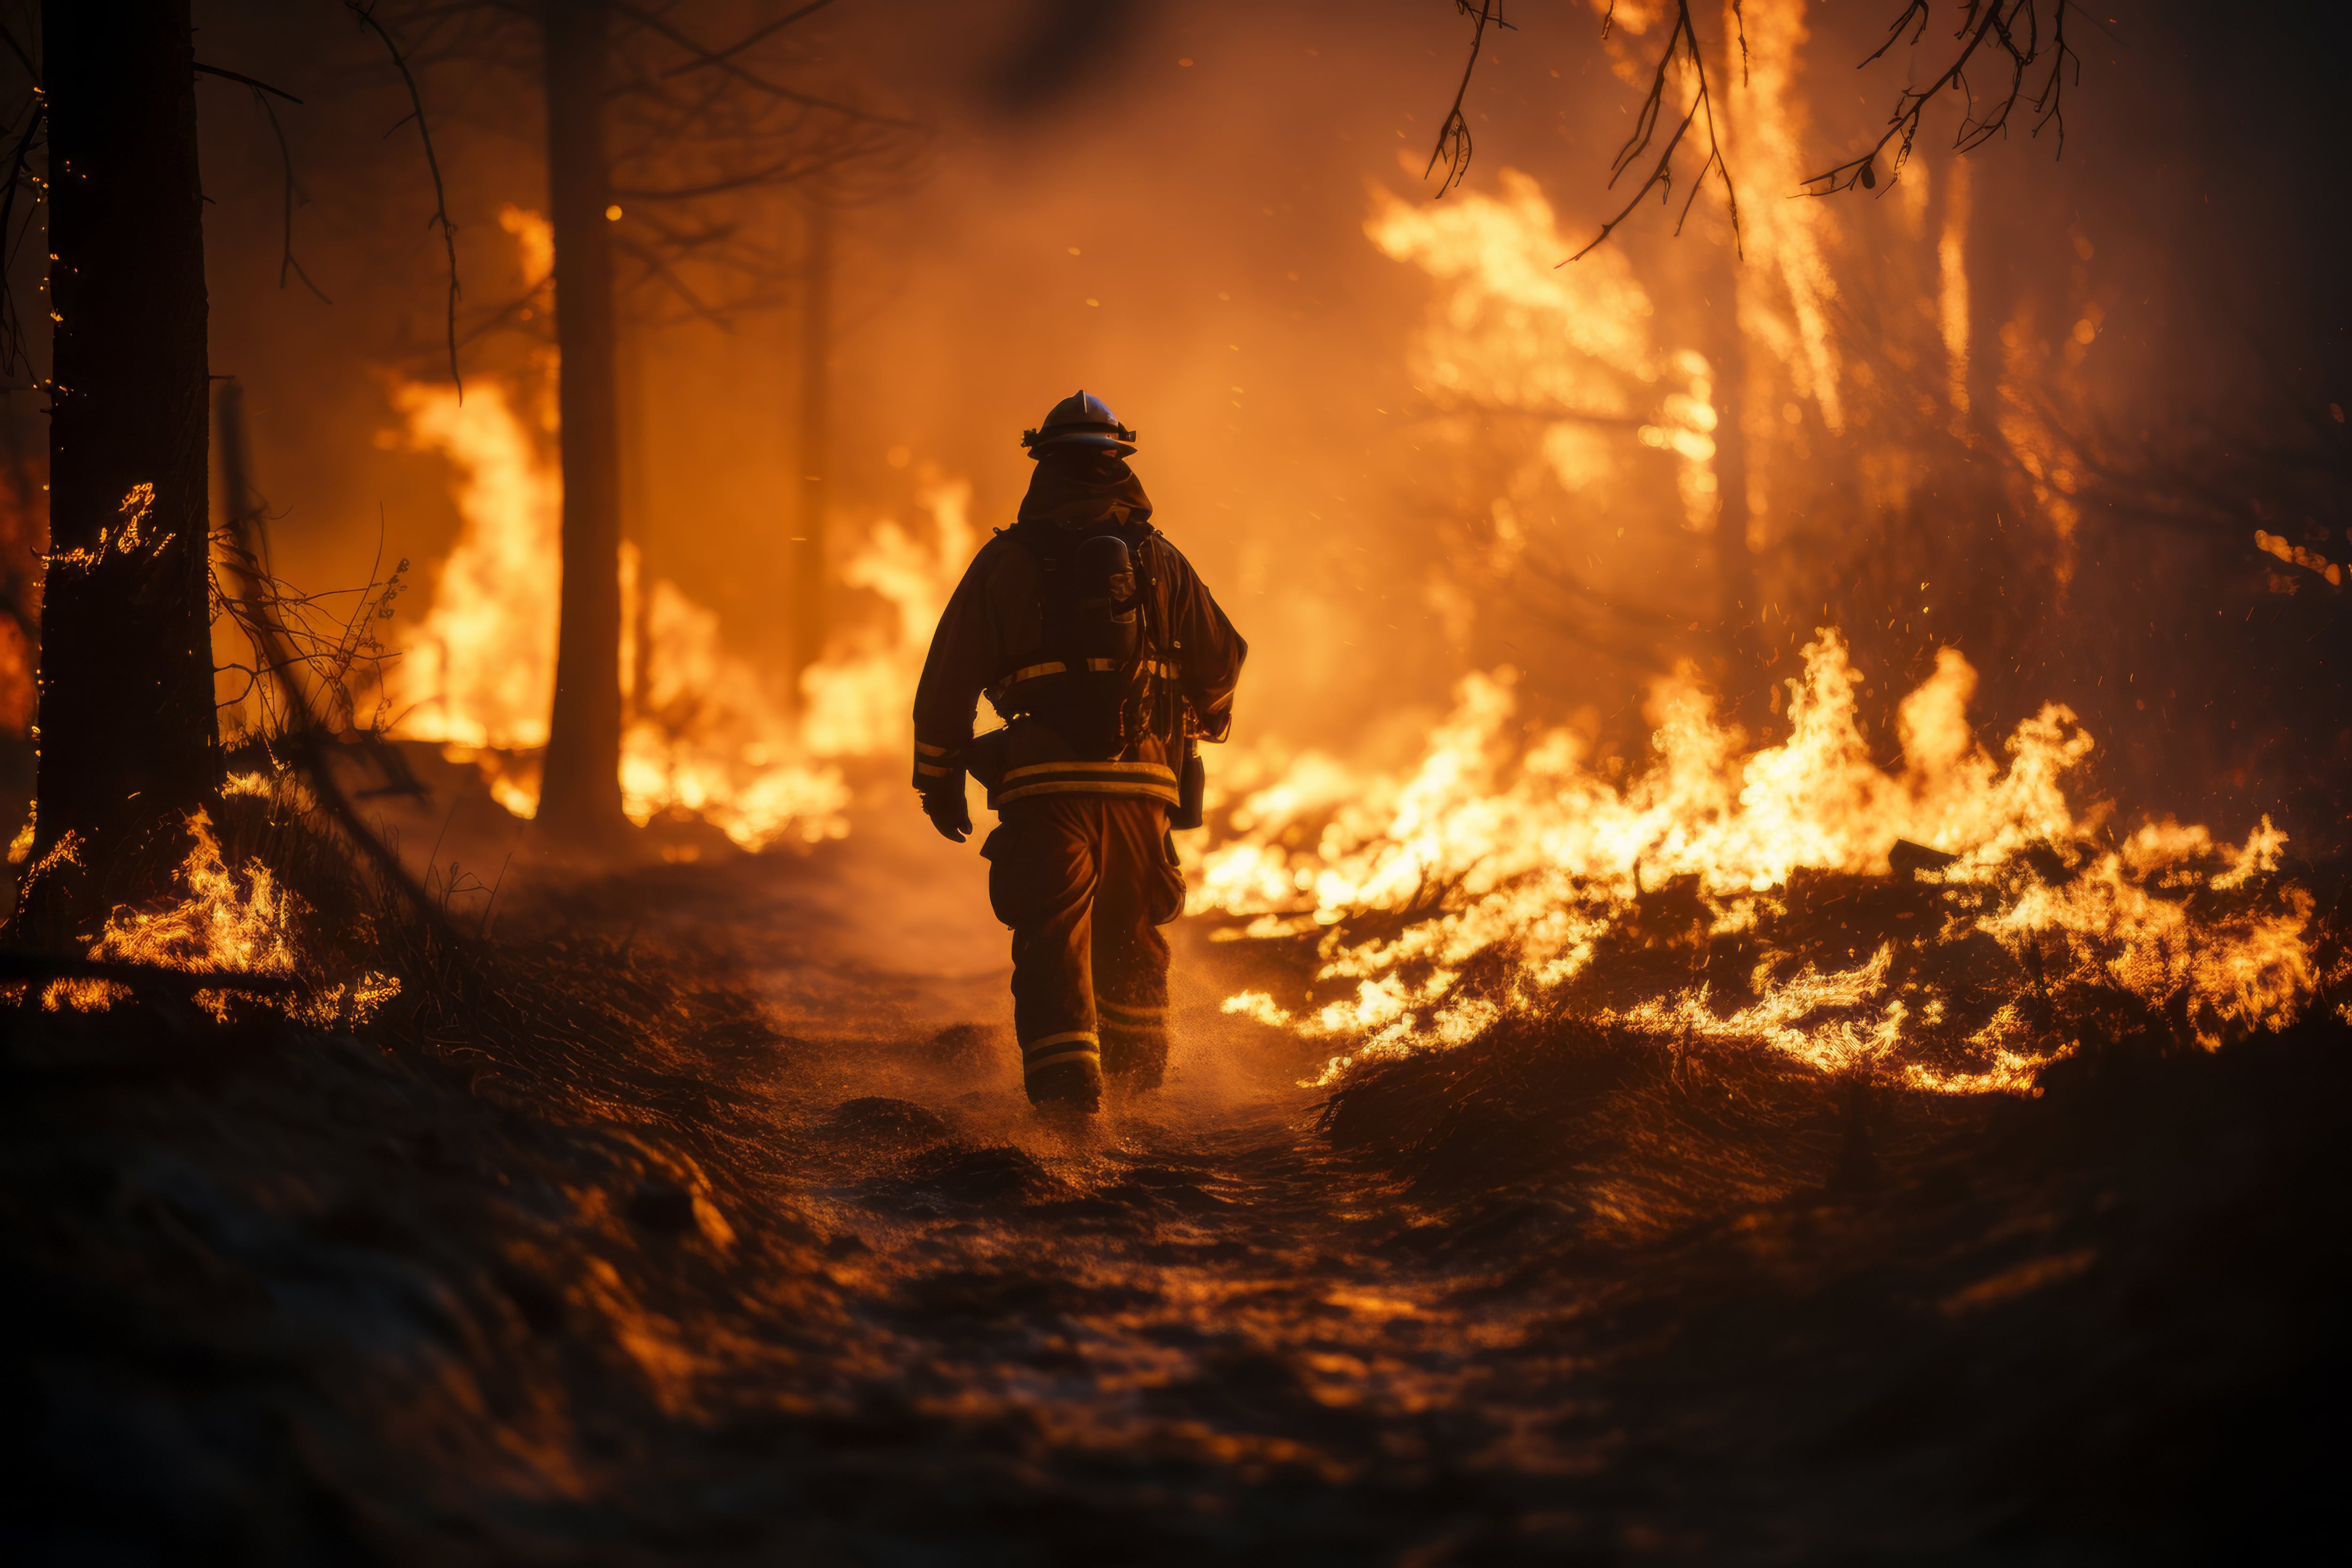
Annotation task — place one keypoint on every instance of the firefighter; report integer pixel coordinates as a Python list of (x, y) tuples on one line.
[(1100, 647)]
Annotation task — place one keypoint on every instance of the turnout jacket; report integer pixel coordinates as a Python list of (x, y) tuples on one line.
[(996, 620)]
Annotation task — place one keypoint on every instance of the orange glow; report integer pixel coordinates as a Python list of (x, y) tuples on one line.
[(715, 735), (1787, 288), (1952, 300), (479, 669), (1572, 345)]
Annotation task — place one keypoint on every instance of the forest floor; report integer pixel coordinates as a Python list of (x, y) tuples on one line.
[(805, 1280)]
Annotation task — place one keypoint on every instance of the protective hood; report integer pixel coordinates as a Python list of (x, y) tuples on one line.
[(1074, 490)]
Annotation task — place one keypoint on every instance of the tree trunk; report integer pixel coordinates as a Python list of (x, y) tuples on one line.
[(816, 399), (580, 797), (130, 740), (1738, 608), (637, 513)]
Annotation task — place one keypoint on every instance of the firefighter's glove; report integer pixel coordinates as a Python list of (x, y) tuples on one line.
[(948, 812)]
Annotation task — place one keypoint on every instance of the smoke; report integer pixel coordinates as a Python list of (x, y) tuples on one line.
[(1062, 52), (1942, 411)]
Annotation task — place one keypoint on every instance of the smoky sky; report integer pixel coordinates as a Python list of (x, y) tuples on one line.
[(1060, 51), (1167, 205)]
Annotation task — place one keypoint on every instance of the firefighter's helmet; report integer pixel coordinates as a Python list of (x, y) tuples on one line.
[(1080, 420)]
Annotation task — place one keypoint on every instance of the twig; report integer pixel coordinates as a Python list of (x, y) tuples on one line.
[(782, 173), (1455, 131), (2014, 27), (14, 353), (706, 58), (483, 928), (204, 69), (661, 271), (363, 11), (756, 36), (309, 752), (307, 739), (23, 59), (286, 259), (1645, 125)]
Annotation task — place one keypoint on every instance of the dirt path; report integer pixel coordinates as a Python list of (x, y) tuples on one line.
[(283, 1299), (1195, 1326)]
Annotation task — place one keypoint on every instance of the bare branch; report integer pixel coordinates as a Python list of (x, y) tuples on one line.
[(286, 259), (261, 91), (1917, 9), (12, 332), (659, 271), (203, 69), (23, 59), (2014, 28), (704, 58), (1645, 126), (756, 36), (784, 172), (1454, 134), (363, 11)]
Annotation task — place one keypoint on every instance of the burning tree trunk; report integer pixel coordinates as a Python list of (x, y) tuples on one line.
[(130, 740), (580, 798)]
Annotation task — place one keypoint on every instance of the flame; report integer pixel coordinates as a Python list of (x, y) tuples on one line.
[(707, 731), (2294, 555), (243, 921), (1570, 345), (1494, 877), (716, 742), (18, 693), (860, 698), (479, 669), (1952, 290), (534, 239), (1505, 845), (712, 738), (1787, 290), (710, 734)]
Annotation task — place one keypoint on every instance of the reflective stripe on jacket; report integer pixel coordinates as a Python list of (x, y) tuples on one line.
[(996, 619)]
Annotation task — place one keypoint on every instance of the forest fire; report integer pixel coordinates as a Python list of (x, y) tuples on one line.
[(707, 733), (239, 922), (1504, 865), (1265, 781)]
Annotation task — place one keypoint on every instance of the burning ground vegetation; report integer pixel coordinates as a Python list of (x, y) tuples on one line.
[(1953, 926), (1757, 1155)]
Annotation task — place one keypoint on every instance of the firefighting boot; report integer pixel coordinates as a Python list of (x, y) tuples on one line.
[(1134, 1042), (1065, 1070)]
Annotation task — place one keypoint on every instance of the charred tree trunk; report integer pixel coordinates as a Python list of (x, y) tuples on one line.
[(817, 398), (580, 798), (130, 742)]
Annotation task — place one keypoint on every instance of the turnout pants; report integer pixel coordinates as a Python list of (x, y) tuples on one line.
[(1085, 882)]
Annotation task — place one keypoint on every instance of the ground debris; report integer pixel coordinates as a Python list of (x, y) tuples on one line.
[(580, 1249)]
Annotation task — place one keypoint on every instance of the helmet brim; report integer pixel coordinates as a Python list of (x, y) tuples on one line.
[(1087, 440)]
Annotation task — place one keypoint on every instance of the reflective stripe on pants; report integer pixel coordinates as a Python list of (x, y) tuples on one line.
[(1085, 882)]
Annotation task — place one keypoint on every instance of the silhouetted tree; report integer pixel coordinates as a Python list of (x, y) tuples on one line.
[(653, 139), (2017, 50), (129, 740)]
